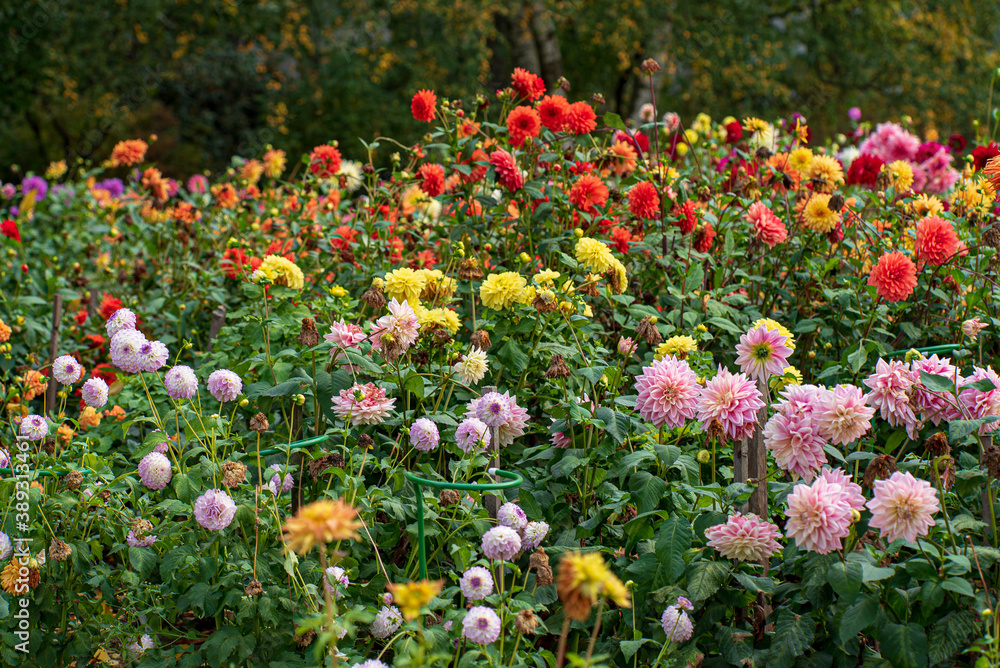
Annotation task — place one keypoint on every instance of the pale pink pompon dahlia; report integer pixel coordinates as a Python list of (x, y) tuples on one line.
[(214, 510), (224, 385), (733, 400), (668, 392), (819, 516), (744, 538), (363, 404), (902, 507), (891, 386)]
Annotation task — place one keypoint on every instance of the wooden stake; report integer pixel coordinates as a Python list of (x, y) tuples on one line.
[(490, 501), (50, 391), (218, 322)]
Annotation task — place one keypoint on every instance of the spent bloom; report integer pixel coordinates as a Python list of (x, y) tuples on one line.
[(180, 382), (744, 538), (731, 399), (668, 392), (67, 370), (481, 625), (95, 392), (819, 515), (511, 515), (472, 367), (424, 435), (154, 470), (676, 624), (763, 352), (844, 415), (476, 583), (224, 385), (472, 434), (363, 404), (902, 507), (214, 510), (972, 327), (502, 543)]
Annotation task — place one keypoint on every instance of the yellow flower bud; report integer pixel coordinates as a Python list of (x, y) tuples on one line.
[(704, 456), (524, 257), (244, 403), (578, 232)]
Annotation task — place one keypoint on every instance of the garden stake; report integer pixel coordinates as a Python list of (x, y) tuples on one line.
[(50, 390)]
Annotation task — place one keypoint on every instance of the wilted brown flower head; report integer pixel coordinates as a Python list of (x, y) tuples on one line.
[(449, 497), (233, 473), (374, 298), (330, 460), (258, 423), (308, 336), (365, 441), (646, 330), (58, 550), (879, 468), (254, 588), (557, 368), (937, 444), (716, 430), (480, 339), (73, 479), (469, 269), (526, 622)]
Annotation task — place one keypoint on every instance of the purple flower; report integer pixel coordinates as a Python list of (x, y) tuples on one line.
[(154, 469), (476, 583), (214, 510), (34, 428), (67, 370), (95, 393), (37, 184), (115, 187), (224, 385), (5, 546), (181, 383), (145, 541), (854, 114), (501, 543), (481, 625), (125, 347), (285, 485), (493, 409), (511, 515), (335, 580), (152, 356), (472, 434), (121, 319), (424, 435)]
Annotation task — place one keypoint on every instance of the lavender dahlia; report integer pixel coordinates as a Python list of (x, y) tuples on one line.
[(120, 320), (214, 510), (278, 483), (424, 435), (476, 583), (472, 434), (95, 392), (676, 624), (154, 469), (533, 535), (181, 383), (501, 543), (224, 385), (152, 356), (481, 625), (493, 409), (510, 428), (511, 515), (370, 663), (145, 541), (138, 648), (67, 370), (124, 349), (6, 547), (34, 428), (336, 581)]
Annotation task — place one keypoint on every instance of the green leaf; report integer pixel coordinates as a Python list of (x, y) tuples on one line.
[(694, 278), (904, 645), (950, 635), (858, 358), (360, 359), (959, 586), (858, 617), (143, 560), (876, 573), (673, 540), (938, 383), (593, 373), (185, 488), (755, 584), (705, 578), (845, 578), (722, 323), (414, 384), (736, 645), (982, 385), (630, 647), (629, 461), (613, 120), (793, 633), (959, 429), (616, 424), (647, 490), (288, 388), (512, 356)]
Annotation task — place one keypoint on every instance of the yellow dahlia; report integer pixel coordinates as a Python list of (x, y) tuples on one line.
[(800, 159), (825, 172), (594, 255), (901, 174), (437, 286), (413, 596), (282, 271), (440, 317), (817, 214), (791, 376), (545, 277), (583, 579), (926, 205), (618, 276), (678, 346), (321, 522), (501, 291), (404, 284)]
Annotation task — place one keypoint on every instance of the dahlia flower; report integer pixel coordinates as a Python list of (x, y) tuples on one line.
[(668, 392), (843, 415), (891, 387), (501, 291), (281, 271), (124, 349), (66, 370), (744, 538), (763, 352), (507, 171), (593, 254), (401, 326), (121, 319), (152, 355), (424, 435), (134, 541), (344, 336), (523, 123), (180, 382), (336, 581), (476, 583), (363, 404), (852, 491), (424, 105), (6, 547), (580, 118), (767, 227), (511, 515), (405, 285), (533, 535), (472, 434), (501, 543), (387, 621), (733, 400), (512, 427), (370, 663), (224, 385), (972, 327), (214, 510), (155, 471), (472, 367), (644, 200), (138, 648), (493, 409), (432, 179), (819, 516), (794, 440), (676, 624), (936, 240), (481, 625), (982, 404), (932, 407), (552, 112), (902, 507), (34, 428)]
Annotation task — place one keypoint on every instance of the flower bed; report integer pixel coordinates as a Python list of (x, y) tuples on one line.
[(741, 379)]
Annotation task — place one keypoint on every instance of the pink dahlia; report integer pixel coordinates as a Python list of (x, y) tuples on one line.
[(533, 534), (476, 583), (493, 409), (424, 435), (95, 392), (763, 353), (511, 515), (124, 349), (676, 624), (891, 142), (844, 415), (796, 444), (767, 227), (34, 428), (902, 507), (891, 387), (472, 434), (180, 382), (343, 335), (819, 516), (932, 406), (224, 385), (508, 173), (121, 319), (982, 404), (502, 543), (668, 392), (402, 325), (744, 538), (511, 427), (804, 399), (852, 491), (214, 510), (155, 471), (733, 400), (152, 356), (363, 404)]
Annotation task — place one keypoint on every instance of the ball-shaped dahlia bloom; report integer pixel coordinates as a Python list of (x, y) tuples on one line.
[(511, 515), (214, 510), (481, 625), (387, 621), (224, 385), (152, 355), (493, 409), (501, 543), (181, 383), (34, 428), (902, 507), (476, 583), (796, 444), (155, 471), (124, 349), (676, 624), (744, 538), (121, 319), (472, 434), (424, 435), (336, 581), (67, 370), (533, 535), (95, 392), (668, 392)]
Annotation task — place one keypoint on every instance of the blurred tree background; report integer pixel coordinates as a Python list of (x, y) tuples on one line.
[(217, 78)]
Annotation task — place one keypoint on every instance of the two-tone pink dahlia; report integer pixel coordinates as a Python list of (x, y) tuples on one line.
[(124, 349), (224, 385), (852, 491), (67, 370), (121, 319), (668, 392), (763, 353), (424, 435), (476, 583), (744, 538), (843, 414), (982, 403), (343, 335), (95, 392), (363, 404), (799, 399), (795, 442), (401, 324), (902, 507), (891, 388), (819, 516), (733, 400), (932, 406), (502, 543), (180, 382)]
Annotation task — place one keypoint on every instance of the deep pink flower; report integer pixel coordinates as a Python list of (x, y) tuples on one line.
[(763, 352), (668, 392), (744, 538), (733, 400), (344, 335), (902, 507)]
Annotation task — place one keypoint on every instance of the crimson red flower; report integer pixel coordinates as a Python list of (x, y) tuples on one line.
[(687, 217), (233, 262), (94, 340), (344, 237), (644, 200), (109, 305), (588, 193), (478, 171), (836, 235), (324, 161), (581, 167), (9, 229), (552, 111), (529, 86), (620, 238), (982, 154), (424, 106), (894, 277), (81, 316), (704, 237), (507, 171), (433, 179), (956, 143), (734, 132), (580, 118), (638, 141), (864, 170), (936, 240), (523, 123)]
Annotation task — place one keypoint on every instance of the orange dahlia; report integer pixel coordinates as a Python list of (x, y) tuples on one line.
[(129, 152), (580, 118), (433, 179), (528, 85), (936, 240), (894, 277), (644, 200), (423, 106), (325, 161), (523, 123), (588, 193)]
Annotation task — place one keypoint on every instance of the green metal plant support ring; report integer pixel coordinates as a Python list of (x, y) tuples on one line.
[(930, 350), (294, 445), (513, 480)]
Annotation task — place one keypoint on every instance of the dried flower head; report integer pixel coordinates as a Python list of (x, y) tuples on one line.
[(233, 473), (308, 335), (879, 468), (58, 550), (73, 479), (526, 622), (937, 444), (258, 423), (646, 330), (557, 367), (254, 588)]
